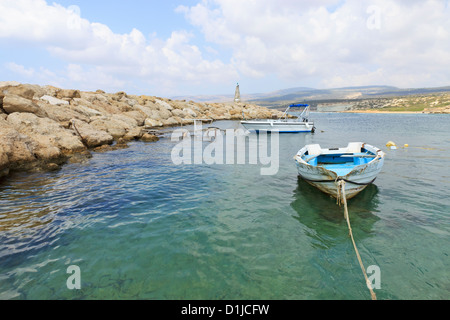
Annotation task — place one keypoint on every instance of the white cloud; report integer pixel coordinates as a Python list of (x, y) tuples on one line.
[(102, 57), (319, 43), (19, 69), (404, 43)]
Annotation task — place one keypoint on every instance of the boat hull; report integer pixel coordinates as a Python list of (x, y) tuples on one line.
[(282, 127), (327, 180)]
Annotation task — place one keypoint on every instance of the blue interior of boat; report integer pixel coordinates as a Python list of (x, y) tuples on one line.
[(341, 164)]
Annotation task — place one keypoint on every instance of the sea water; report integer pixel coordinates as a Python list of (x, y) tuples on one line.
[(137, 226)]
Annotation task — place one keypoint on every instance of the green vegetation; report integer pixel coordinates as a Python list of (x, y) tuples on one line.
[(420, 103)]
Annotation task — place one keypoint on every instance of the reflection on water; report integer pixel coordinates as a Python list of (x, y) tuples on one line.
[(325, 219)]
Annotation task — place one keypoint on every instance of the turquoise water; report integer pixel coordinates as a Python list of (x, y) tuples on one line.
[(140, 227)]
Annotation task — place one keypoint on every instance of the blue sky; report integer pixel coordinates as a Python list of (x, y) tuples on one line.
[(197, 47)]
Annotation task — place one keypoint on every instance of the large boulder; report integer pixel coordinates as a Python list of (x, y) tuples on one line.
[(68, 94), (172, 121), (14, 103), (152, 123), (54, 101), (86, 108), (131, 122), (163, 104), (114, 127), (190, 113), (147, 111), (133, 134), (178, 113), (136, 115), (164, 114), (90, 136), (46, 133), (27, 91), (16, 149), (62, 114)]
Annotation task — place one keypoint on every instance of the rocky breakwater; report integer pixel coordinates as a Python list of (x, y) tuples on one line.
[(43, 127)]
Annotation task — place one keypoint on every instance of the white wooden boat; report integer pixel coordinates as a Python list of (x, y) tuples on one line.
[(284, 124), (358, 165)]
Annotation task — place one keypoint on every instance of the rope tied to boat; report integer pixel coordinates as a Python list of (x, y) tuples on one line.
[(343, 199)]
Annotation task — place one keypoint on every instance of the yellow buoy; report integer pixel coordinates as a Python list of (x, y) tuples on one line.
[(406, 145), (391, 144)]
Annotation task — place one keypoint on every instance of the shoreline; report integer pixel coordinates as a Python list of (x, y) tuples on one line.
[(384, 112), (44, 127)]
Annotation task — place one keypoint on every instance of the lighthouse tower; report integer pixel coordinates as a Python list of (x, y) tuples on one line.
[(237, 95)]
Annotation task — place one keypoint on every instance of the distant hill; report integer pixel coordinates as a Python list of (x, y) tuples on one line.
[(304, 94)]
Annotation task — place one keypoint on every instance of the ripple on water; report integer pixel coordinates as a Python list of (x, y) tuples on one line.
[(141, 228)]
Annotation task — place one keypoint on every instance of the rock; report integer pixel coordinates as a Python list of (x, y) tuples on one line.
[(133, 134), (136, 115), (54, 101), (4, 161), (190, 112), (17, 151), (62, 114), (163, 104), (52, 166), (47, 134), (91, 136), (121, 94), (172, 121), (155, 115), (115, 128), (13, 103), (51, 90), (128, 101), (149, 138), (68, 94), (80, 157), (146, 111), (178, 113), (16, 146), (27, 91), (3, 115), (131, 123), (151, 123), (9, 83), (83, 106), (164, 114), (94, 97)]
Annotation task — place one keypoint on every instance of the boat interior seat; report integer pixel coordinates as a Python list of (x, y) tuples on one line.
[(314, 150), (354, 147)]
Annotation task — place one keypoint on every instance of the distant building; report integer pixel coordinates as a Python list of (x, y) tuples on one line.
[(237, 95)]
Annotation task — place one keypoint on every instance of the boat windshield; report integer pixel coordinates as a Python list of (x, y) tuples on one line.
[(301, 114)]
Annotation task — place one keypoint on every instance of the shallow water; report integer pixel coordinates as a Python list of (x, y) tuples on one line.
[(140, 227)]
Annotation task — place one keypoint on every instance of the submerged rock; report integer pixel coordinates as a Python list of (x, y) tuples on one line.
[(147, 137)]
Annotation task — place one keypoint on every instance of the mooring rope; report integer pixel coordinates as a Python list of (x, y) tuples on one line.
[(342, 197)]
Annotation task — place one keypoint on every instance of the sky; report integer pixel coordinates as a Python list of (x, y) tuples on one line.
[(204, 47)]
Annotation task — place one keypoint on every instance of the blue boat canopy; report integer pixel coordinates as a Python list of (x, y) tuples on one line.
[(299, 106)]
